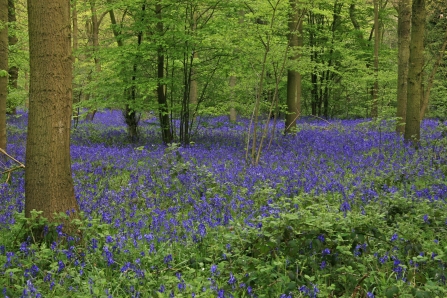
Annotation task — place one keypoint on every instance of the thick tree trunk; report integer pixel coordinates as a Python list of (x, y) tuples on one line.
[(415, 73), (48, 180), (3, 69), (293, 76), (403, 36)]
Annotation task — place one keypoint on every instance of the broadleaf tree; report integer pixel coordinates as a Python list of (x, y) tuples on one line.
[(48, 180)]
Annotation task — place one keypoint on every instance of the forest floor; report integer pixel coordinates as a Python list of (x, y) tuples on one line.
[(341, 209)]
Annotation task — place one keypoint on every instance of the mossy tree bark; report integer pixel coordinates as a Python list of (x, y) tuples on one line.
[(48, 181), (415, 72)]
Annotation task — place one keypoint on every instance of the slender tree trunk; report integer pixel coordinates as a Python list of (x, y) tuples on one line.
[(12, 39), (233, 113), (375, 90), (403, 36), (163, 110), (48, 180), (94, 42), (193, 98), (415, 73), (3, 69), (293, 76), (233, 80), (431, 78)]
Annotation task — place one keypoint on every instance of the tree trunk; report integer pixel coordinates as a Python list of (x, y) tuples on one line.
[(94, 43), (3, 69), (163, 110), (293, 76), (375, 90), (48, 180), (403, 36), (233, 113), (415, 73), (13, 70), (233, 80), (431, 78), (193, 97)]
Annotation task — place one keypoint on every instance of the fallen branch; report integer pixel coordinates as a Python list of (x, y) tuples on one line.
[(9, 171), (5, 153)]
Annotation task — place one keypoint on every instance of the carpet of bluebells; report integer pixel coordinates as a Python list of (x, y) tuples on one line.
[(341, 209)]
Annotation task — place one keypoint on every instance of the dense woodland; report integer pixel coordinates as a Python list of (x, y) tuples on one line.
[(208, 148)]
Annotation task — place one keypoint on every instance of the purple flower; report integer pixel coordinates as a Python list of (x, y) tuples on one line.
[(394, 237), (60, 265), (232, 281), (167, 259), (323, 265), (201, 230)]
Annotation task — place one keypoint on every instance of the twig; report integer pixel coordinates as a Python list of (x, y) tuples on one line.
[(9, 171), (354, 294), (4, 152)]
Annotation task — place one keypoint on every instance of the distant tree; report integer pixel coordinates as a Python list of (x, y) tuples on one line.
[(293, 76), (3, 69), (12, 40), (415, 73), (403, 40), (163, 110), (48, 181), (375, 89)]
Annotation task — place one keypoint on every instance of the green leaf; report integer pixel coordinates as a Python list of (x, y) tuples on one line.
[(392, 292)]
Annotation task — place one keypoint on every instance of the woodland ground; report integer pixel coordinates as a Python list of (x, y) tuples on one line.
[(341, 209)]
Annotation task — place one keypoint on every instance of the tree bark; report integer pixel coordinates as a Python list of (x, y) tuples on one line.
[(193, 98), (431, 78), (403, 36), (375, 90), (13, 70), (161, 96), (233, 113), (48, 180), (293, 76), (3, 69), (415, 73)]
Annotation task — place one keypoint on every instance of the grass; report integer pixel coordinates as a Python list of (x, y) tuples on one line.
[(345, 209)]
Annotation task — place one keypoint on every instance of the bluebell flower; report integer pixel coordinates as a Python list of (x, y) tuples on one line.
[(323, 265), (394, 237), (321, 238), (167, 259)]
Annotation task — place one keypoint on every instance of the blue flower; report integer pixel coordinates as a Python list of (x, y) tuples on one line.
[(394, 237)]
